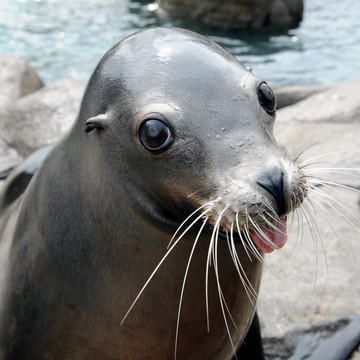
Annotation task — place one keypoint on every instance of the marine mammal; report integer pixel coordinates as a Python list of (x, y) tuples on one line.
[(170, 125)]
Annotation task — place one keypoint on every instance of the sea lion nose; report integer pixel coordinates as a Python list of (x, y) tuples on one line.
[(272, 180)]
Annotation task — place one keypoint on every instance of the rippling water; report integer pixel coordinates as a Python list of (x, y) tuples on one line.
[(66, 38)]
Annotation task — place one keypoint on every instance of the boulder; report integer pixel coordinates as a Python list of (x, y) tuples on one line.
[(9, 157), (325, 340), (338, 103), (291, 94), (238, 14), (356, 355), (315, 277), (17, 78), (41, 117)]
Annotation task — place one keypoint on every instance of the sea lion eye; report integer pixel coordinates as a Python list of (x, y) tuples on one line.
[(266, 97), (155, 135)]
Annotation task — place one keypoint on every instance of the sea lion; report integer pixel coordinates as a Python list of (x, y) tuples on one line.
[(174, 135)]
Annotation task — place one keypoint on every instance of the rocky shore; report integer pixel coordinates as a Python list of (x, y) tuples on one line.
[(314, 280), (238, 14)]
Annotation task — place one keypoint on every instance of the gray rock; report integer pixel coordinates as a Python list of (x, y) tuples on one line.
[(289, 95), (41, 117), (238, 14), (356, 355), (325, 340), (9, 157), (17, 78), (339, 103), (313, 279)]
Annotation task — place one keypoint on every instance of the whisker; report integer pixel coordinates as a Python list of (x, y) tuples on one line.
[(221, 298), (262, 234), (193, 213), (304, 212), (317, 191), (343, 173), (302, 230), (275, 216), (308, 166), (298, 240), (335, 168), (184, 281), (319, 202), (319, 181), (328, 154), (303, 151), (211, 246), (248, 239), (159, 264), (253, 248), (250, 291), (269, 223), (242, 274), (311, 213), (242, 240), (222, 294)]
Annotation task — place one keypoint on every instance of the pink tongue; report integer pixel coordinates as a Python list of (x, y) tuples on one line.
[(277, 235)]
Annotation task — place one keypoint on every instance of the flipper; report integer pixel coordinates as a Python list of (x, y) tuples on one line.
[(251, 348), (19, 177)]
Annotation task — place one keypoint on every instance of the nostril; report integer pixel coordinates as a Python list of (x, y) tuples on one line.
[(273, 182)]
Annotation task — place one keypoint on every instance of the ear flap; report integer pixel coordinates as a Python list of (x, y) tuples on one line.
[(98, 122)]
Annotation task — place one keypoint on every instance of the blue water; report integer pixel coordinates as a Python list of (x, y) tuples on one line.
[(66, 38)]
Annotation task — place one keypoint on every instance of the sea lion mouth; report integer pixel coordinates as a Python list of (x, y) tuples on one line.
[(255, 231), (265, 238), (270, 239)]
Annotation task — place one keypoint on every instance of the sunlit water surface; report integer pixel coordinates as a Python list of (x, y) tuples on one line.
[(66, 38)]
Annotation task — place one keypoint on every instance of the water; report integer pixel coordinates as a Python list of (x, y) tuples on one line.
[(66, 38)]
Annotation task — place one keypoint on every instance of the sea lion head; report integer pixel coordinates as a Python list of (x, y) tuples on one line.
[(190, 128)]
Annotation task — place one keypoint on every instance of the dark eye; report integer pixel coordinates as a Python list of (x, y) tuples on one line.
[(266, 97), (155, 135)]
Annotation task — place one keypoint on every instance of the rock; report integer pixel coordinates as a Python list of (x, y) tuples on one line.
[(339, 103), (41, 117), (238, 14), (9, 157), (301, 284), (289, 95), (324, 340), (17, 78), (356, 355)]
